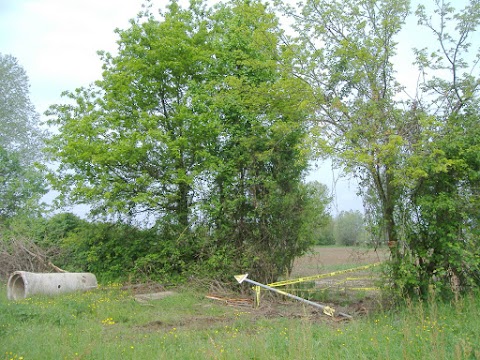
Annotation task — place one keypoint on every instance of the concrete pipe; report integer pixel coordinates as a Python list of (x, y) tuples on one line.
[(22, 284)]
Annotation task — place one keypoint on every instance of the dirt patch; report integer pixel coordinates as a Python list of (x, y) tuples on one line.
[(191, 323), (144, 288), (355, 293), (270, 309), (143, 298)]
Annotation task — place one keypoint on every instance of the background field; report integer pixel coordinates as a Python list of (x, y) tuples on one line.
[(331, 258)]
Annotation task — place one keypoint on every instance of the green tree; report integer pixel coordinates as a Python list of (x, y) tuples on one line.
[(257, 200), (197, 122), (21, 184), (317, 225), (445, 165), (349, 228), (19, 130), (131, 143), (347, 58), (415, 160)]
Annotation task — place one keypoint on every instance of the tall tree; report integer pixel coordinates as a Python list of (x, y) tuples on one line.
[(19, 123), (347, 59), (195, 121), (257, 202), (444, 193), (131, 143), (21, 185), (416, 160)]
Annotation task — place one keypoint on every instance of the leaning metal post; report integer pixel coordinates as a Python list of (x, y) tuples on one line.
[(326, 309)]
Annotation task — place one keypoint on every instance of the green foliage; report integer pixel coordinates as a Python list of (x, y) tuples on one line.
[(350, 229), (417, 161), (317, 224), (21, 184), (256, 200), (197, 124), (112, 251), (444, 234), (325, 234), (441, 237), (61, 226), (19, 131)]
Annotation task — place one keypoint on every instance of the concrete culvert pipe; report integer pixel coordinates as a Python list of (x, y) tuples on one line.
[(22, 284)]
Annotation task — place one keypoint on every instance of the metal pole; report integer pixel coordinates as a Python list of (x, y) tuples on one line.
[(326, 309)]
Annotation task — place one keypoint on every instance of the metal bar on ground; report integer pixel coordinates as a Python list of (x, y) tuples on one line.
[(326, 309)]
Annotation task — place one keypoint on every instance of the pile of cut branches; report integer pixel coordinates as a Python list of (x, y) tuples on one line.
[(23, 254)]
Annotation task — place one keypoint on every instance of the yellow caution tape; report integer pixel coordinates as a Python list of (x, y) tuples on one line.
[(316, 290), (321, 276), (328, 311)]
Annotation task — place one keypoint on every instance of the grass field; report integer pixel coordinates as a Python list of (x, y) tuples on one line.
[(116, 323)]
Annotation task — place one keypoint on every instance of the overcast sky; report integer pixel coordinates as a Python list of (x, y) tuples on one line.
[(56, 41)]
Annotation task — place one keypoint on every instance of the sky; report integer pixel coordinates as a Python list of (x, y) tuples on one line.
[(56, 42)]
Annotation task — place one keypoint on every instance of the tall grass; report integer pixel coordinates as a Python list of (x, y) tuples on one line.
[(110, 324)]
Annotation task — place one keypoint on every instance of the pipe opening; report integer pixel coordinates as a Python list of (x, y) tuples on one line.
[(17, 287)]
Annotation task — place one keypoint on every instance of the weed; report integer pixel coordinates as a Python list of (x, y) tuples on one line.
[(109, 324)]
